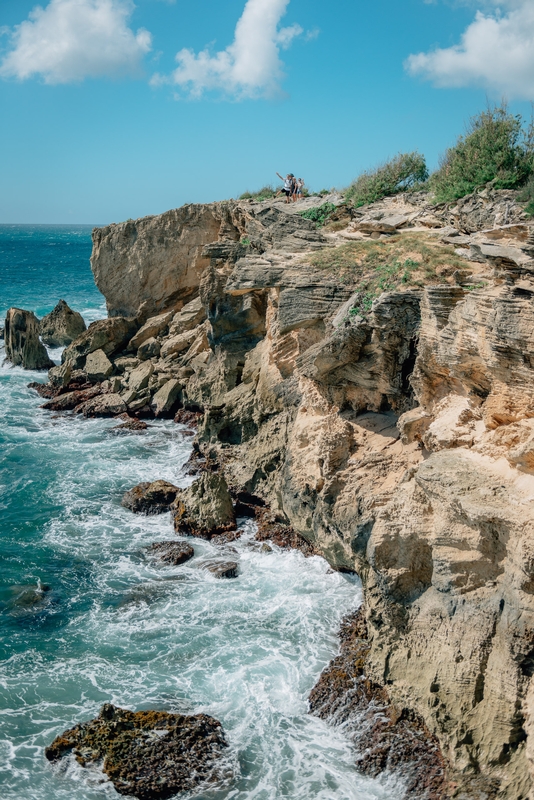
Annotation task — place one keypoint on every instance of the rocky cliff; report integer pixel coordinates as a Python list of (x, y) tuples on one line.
[(374, 385)]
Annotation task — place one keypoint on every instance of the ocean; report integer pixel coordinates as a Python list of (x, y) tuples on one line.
[(87, 619)]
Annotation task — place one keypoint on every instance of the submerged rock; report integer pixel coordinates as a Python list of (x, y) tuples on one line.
[(174, 553), (220, 569), (205, 509), (22, 343), (130, 424), (62, 326), (150, 755), (150, 498)]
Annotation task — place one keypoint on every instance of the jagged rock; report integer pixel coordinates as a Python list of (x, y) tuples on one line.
[(166, 398), (140, 377), (141, 401), (220, 569), (204, 509), (191, 315), (109, 335), (387, 739), (129, 396), (22, 344), (125, 364), (104, 405), (97, 366), (177, 344), (151, 755), (66, 402), (383, 225), (149, 349), (153, 263), (150, 498), (155, 326), (174, 553), (61, 326), (60, 376)]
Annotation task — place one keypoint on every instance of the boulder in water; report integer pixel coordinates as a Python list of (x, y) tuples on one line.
[(205, 509), (151, 755), (23, 346), (174, 553), (150, 498), (62, 326), (220, 569)]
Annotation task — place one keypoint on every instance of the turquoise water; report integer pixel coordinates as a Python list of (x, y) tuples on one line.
[(115, 627)]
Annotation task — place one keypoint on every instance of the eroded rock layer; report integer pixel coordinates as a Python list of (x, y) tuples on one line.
[(393, 432)]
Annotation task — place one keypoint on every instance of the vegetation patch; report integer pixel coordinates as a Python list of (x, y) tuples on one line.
[(498, 148), (319, 215), (404, 172), (265, 193), (408, 261)]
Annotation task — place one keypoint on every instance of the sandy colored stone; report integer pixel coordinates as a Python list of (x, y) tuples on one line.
[(22, 343), (166, 398), (61, 326), (205, 509), (98, 366)]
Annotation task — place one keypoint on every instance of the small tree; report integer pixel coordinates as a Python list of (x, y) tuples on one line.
[(397, 175), (497, 149)]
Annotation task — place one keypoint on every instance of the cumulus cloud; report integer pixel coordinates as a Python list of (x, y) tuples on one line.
[(250, 66), (496, 52), (70, 40)]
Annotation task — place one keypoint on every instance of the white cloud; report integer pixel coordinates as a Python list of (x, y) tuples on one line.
[(250, 66), (70, 40), (496, 52)]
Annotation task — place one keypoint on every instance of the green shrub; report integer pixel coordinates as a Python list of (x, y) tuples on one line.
[(401, 173), (527, 196), (497, 148), (265, 193), (320, 214)]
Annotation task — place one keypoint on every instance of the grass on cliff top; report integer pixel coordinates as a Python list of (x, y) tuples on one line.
[(410, 260)]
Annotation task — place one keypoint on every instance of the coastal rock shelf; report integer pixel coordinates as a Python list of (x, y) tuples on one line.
[(150, 755), (387, 425)]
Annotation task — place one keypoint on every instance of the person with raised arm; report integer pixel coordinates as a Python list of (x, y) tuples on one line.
[(289, 185)]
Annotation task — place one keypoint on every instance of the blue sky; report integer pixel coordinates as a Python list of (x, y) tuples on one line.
[(102, 122)]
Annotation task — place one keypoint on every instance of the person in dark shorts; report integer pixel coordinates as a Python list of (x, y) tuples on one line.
[(289, 185)]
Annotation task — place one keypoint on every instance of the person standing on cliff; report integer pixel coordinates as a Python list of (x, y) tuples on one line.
[(299, 186), (289, 185)]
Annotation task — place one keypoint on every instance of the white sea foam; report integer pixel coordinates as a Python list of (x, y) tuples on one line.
[(121, 628)]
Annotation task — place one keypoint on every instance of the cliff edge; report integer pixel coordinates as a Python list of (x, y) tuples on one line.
[(373, 383)]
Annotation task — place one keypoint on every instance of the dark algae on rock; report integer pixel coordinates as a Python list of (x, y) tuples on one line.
[(150, 755), (386, 738)]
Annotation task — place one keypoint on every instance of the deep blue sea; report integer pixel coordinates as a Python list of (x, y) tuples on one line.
[(87, 619)]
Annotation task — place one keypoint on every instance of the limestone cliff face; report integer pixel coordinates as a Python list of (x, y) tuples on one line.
[(399, 441)]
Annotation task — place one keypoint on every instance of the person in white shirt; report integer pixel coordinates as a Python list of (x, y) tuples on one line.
[(289, 185)]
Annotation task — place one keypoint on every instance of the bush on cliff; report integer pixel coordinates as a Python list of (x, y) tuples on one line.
[(497, 148), (400, 174), (527, 196), (320, 214), (265, 193)]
